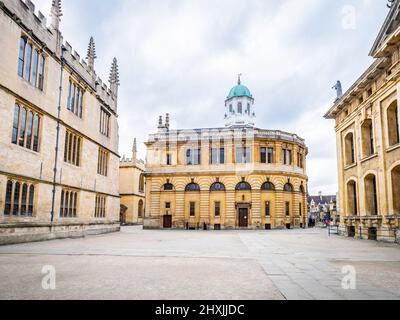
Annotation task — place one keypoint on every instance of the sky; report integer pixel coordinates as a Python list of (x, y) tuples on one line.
[(183, 56)]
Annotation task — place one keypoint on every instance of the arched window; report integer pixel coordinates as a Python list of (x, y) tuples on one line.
[(352, 203), (24, 198), (302, 190), (140, 209), (396, 189), (393, 124), (192, 187), (268, 186), (168, 187), (368, 145), (217, 186), (371, 198), (243, 186), (141, 183), (288, 187), (31, 199), (240, 108), (8, 203), (17, 190), (350, 156)]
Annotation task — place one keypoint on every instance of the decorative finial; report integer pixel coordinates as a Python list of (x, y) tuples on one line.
[(134, 148), (239, 79), (91, 54), (160, 124), (56, 14), (114, 77), (167, 121)]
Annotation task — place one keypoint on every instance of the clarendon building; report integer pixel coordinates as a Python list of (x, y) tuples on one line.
[(132, 188), (59, 158), (238, 176), (368, 141)]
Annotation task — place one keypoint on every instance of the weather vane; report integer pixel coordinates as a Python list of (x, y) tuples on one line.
[(239, 80)]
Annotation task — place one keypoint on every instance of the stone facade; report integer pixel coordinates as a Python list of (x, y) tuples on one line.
[(32, 57), (132, 188), (224, 178), (368, 144)]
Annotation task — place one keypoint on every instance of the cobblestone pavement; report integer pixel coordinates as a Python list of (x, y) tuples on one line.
[(182, 265)]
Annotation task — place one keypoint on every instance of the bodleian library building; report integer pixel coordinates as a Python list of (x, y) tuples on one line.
[(59, 162)]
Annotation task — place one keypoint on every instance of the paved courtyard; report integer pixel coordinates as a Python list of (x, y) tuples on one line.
[(182, 265)]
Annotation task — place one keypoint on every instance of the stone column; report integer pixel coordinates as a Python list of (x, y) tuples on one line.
[(230, 218), (180, 210), (256, 209)]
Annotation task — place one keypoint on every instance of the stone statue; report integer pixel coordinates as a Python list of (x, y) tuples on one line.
[(338, 88)]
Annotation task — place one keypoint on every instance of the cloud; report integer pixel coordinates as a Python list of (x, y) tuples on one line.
[(182, 57)]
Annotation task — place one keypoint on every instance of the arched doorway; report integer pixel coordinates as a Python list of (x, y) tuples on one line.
[(352, 203), (122, 214), (140, 209)]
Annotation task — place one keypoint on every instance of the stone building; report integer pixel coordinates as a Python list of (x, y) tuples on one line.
[(368, 141), (238, 176), (323, 208), (132, 188), (58, 134)]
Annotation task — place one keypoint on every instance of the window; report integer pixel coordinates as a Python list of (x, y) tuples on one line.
[(300, 209), (141, 183), (242, 155), (31, 63), (267, 208), (26, 128), (240, 108), (27, 74), (102, 165), (75, 99), (217, 156), (268, 186), (68, 204), (168, 187), (192, 187), (243, 186), (393, 124), (105, 122), (287, 157), (100, 209), (217, 209), (287, 208), (396, 190), (217, 186), (169, 159), (349, 149), (288, 187), (72, 148), (21, 59), (140, 209), (168, 205), (270, 155), (248, 109), (192, 209), (367, 133), (19, 199), (300, 160), (230, 108), (263, 155), (193, 157)]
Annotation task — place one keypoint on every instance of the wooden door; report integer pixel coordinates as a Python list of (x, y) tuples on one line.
[(243, 218), (167, 222)]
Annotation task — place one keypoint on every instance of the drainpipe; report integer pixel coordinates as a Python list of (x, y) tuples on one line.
[(53, 200)]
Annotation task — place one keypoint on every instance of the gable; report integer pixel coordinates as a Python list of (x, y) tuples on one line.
[(391, 23)]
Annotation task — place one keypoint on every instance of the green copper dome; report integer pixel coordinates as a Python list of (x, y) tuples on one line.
[(239, 91)]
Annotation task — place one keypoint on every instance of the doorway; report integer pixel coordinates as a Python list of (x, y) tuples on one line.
[(243, 217), (167, 222)]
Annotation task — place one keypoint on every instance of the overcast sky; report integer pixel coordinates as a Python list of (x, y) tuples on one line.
[(183, 57)]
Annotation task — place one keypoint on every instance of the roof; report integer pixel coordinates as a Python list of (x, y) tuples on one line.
[(321, 199), (239, 91), (392, 22)]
